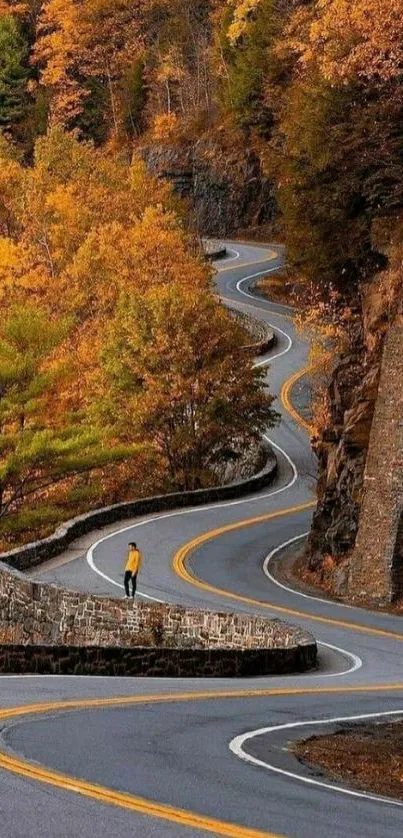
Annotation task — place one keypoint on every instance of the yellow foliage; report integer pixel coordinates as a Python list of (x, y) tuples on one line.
[(326, 325), (242, 12), (350, 39), (97, 39), (81, 234), (165, 126)]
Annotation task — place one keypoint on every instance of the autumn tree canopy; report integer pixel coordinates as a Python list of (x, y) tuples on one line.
[(116, 359), (350, 40)]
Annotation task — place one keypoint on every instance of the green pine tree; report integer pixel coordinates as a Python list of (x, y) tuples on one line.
[(38, 447), (13, 75)]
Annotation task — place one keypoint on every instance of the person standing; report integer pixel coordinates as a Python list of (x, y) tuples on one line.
[(133, 564)]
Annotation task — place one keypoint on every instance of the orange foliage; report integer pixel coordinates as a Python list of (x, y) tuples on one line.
[(97, 39), (351, 39)]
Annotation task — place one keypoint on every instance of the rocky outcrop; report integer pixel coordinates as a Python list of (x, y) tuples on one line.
[(342, 452), (343, 446), (227, 189), (376, 566)]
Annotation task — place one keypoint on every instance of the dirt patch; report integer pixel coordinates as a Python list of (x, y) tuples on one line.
[(283, 287), (368, 757), (320, 582)]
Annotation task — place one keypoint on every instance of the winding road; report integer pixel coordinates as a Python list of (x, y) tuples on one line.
[(139, 757)]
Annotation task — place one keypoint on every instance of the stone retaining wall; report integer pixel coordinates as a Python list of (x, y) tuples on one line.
[(214, 249), (37, 552), (35, 612), (45, 628), (171, 663), (260, 332), (376, 569)]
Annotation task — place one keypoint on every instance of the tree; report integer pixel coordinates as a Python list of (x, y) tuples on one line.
[(62, 272), (351, 40), (13, 76), (84, 46), (165, 386), (340, 158), (39, 444), (248, 33), (176, 377), (178, 68)]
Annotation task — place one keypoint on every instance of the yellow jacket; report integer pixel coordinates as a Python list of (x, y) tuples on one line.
[(134, 560)]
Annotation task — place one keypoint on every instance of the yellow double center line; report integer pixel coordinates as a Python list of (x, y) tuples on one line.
[(286, 398), (150, 808), (181, 568), (141, 805)]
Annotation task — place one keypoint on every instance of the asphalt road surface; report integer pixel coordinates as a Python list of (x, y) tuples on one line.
[(131, 757)]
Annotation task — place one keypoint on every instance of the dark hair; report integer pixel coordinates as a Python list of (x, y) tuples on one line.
[(132, 544)]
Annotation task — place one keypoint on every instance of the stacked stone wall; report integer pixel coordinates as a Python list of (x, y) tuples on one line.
[(165, 662), (33, 612), (376, 566), (23, 558), (44, 628)]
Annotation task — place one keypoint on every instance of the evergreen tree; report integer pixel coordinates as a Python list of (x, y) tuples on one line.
[(38, 445), (13, 75)]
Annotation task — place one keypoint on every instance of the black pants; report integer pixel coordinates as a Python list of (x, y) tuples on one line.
[(133, 576)]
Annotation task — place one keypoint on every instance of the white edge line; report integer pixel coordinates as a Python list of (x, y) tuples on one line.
[(144, 522), (289, 346), (236, 746), (178, 513), (261, 299), (357, 662), (231, 258), (290, 590)]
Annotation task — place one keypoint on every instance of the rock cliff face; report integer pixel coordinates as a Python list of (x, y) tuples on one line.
[(343, 447), (227, 189), (342, 453)]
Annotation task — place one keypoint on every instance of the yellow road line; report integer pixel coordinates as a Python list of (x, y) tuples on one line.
[(180, 567), (272, 255), (286, 398), (132, 803), (150, 808), (102, 794)]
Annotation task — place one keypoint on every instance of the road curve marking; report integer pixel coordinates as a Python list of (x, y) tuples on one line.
[(149, 808), (102, 794), (286, 400), (77, 704), (270, 256), (181, 557), (264, 299), (236, 746), (294, 591)]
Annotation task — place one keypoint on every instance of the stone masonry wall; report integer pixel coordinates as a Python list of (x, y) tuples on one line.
[(33, 612), (47, 629), (373, 568), (37, 552), (156, 662)]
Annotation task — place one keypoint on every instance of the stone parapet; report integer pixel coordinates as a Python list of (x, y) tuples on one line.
[(34, 612), (30, 555), (47, 629), (214, 249), (156, 662), (264, 336)]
